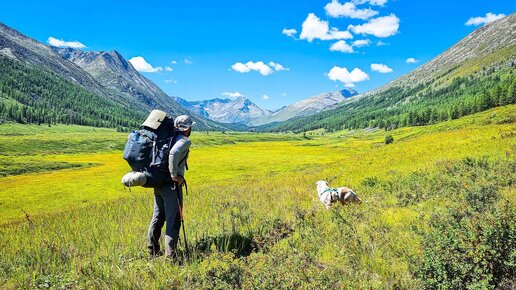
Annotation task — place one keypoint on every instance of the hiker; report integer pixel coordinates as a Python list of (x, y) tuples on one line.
[(168, 198)]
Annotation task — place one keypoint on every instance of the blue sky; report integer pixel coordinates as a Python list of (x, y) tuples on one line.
[(219, 48)]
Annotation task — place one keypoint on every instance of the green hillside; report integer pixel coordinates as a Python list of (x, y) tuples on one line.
[(32, 95), (475, 74), (446, 98)]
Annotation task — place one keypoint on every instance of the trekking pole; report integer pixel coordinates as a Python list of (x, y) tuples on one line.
[(184, 231)]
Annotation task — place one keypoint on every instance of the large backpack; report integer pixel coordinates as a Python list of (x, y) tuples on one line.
[(147, 149)]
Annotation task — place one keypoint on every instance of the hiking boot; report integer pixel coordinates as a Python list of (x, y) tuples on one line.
[(173, 259), (155, 254)]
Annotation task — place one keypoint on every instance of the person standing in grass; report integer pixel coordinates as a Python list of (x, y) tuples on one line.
[(169, 198)]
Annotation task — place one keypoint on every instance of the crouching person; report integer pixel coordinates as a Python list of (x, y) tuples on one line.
[(168, 198)]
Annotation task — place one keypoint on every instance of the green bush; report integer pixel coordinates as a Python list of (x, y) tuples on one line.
[(389, 139), (472, 243)]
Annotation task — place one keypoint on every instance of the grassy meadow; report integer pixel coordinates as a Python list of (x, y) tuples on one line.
[(439, 209)]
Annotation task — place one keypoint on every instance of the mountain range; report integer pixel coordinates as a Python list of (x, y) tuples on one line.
[(243, 111), (108, 80), (240, 110), (43, 84), (306, 107), (104, 78)]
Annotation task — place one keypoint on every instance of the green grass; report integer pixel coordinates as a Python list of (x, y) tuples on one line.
[(252, 215), (15, 166)]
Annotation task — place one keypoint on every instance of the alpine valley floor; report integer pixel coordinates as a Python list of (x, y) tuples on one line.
[(439, 209)]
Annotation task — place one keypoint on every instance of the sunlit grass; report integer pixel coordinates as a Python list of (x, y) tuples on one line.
[(88, 230)]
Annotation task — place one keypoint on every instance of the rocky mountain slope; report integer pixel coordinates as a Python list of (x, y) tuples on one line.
[(238, 111), (473, 75), (106, 74), (17, 46), (306, 107), (112, 71)]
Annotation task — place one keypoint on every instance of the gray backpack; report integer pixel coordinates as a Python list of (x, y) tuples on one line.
[(147, 149)]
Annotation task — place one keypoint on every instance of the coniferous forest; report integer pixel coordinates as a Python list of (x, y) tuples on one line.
[(32, 95)]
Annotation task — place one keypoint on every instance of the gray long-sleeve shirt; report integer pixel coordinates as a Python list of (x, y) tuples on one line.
[(178, 155)]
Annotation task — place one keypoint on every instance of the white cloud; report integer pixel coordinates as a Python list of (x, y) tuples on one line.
[(284, 94), (258, 66), (61, 43), (140, 64), (171, 81), (372, 2), (277, 66), (289, 32), (232, 94), (348, 9), (315, 28), (381, 68), (168, 68), (188, 60), (384, 26), (361, 42), (381, 43), (411, 60), (265, 97), (341, 46), (173, 62), (348, 78), (483, 20)]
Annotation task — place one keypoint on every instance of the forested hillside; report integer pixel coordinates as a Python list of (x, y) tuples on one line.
[(32, 95), (419, 105)]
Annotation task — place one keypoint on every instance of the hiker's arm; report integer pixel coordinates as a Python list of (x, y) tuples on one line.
[(177, 153)]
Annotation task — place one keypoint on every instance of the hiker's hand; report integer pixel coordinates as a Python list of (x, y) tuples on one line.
[(179, 179)]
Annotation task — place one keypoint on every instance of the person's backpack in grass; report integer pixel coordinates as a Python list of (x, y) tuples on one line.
[(146, 151)]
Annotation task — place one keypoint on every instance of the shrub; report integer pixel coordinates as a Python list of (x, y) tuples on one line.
[(389, 139), (472, 243), (470, 250)]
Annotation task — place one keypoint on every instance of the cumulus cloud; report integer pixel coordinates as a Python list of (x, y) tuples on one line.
[(381, 68), (232, 94), (173, 62), (289, 32), (61, 43), (411, 60), (372, 2), (265, 97), (483, 20), (284, 94), (348, 9), (168, 68), (315, 28), (348, 78), (188, 60), (259, 66), (341, 46), (384, 26), (361, 42), (277, 66), (171, 81), (140, 64)]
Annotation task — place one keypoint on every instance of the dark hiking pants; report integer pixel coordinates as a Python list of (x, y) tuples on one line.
[(166, 209)]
